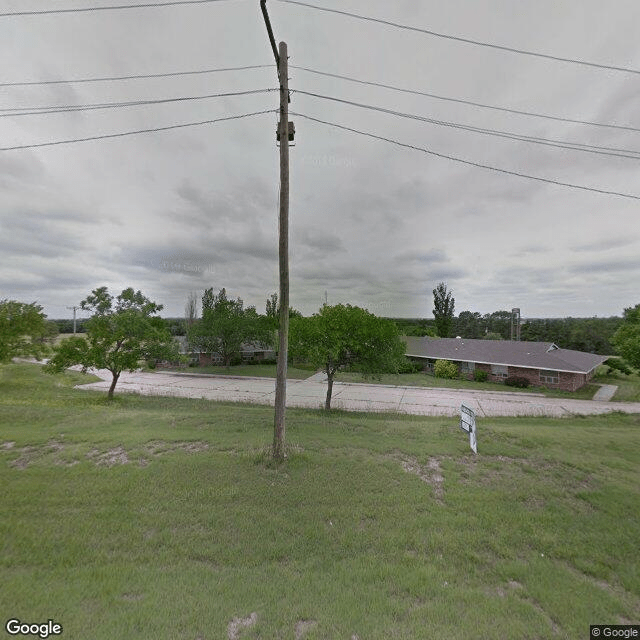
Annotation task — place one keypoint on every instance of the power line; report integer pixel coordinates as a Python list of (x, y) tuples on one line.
[(132, 77), (29, 111), (562, 144), (144, 5), (461, 101), (132, 133), (478, 43), (467, 162), (321, 73)]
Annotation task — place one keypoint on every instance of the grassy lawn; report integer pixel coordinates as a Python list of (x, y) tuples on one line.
[(161, 518), (628, 386), (258, 370), (428, 380)]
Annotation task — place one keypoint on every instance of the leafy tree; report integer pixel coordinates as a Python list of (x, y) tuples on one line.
[(176, 326), (470, 325), (583, 334), (23, 330), (415, 327), (272, 308), (627, 338), (617, 364), (226, 325), (120, 333), (273, 311), (340, 336), (191, 310), (444, 305), (498, 322)]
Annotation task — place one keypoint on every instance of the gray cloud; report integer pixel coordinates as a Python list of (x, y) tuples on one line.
[(370, 222), (50, 234), (624, 265), (606, 244)]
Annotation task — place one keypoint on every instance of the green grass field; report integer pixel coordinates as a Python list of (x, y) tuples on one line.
[(429, 380), (256, 370), (162, 518)]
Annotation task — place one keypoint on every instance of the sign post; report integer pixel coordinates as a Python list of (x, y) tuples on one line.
[(468, 425)]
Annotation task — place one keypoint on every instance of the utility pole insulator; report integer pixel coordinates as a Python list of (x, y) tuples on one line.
[(291, 131)]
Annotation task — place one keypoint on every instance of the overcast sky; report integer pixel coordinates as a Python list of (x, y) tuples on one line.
[(371, 223)]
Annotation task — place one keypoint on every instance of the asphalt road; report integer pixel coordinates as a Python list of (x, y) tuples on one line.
[(311, 393)]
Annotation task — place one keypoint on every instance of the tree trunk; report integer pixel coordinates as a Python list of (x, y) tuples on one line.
[(327, 404), (114, 381)]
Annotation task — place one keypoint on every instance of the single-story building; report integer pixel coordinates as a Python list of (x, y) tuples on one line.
[(249, 352), (542, 363)]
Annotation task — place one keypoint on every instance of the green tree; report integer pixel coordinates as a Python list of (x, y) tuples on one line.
[(470, 325), (121, 332), (191, 310), (498, 322), (340, 336), (444, 305), (226, 325), (626, 339), (271, 309), (23, 330)]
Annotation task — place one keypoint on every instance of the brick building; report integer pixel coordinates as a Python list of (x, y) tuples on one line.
[(542, 363)]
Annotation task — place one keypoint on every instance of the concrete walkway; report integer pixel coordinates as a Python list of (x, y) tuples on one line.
[(605, 392), (310, 393)]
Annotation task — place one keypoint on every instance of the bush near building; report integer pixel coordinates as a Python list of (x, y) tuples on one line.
[(517, 381), (445, 369)]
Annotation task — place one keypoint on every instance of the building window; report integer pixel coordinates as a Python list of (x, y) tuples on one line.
[(467, 367), (499, 370), (549, 377)]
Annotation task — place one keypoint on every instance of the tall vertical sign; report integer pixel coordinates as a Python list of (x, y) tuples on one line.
[(468, 425)]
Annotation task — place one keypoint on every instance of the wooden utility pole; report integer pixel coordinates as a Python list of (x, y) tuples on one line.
[(279, 452), (74, 317), (284, 135)]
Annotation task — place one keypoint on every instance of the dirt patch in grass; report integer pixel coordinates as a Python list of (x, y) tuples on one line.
[(235, 626), (31, 453), (431, 473), (302, 627), (109, 458), (160, 447), (59, 454)]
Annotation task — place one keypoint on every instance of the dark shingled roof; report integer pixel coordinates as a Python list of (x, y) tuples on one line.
[(533, 355)]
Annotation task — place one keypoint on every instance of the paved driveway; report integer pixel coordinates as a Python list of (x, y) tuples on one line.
[(357, 397)]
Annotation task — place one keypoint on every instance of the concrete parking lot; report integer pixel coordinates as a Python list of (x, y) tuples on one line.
[(311, 393)]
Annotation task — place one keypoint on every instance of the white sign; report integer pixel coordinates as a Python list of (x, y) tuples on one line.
[(468, 425)]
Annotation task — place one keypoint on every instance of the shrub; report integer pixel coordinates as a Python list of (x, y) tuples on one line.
[(480, 376), (445, 369), (517, 381), (409, 366), (614, 364)]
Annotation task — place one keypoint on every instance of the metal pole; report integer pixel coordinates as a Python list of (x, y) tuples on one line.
[(283, 332)]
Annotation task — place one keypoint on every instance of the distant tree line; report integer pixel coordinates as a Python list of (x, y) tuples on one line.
[(66, 326), (592, 335)]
